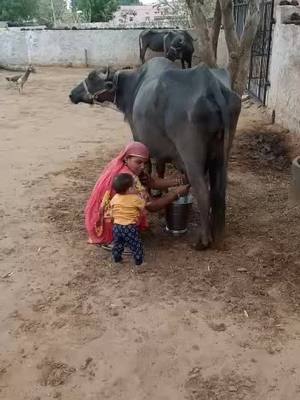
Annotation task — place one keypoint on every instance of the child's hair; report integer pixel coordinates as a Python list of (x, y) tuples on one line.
[(122, 183)]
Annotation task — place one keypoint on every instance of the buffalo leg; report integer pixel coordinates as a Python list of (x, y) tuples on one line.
[(182, 63), (202, 195), (217, 174), (194, 159)]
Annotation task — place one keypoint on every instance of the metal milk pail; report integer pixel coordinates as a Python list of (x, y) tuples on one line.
[(177, 214)]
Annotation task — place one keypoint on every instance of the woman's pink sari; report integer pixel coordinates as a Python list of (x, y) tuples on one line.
[(97, 211)]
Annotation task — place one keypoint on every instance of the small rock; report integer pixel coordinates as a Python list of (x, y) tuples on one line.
[(8, 251), (87, 362), (193, 376), (195, 347), (245, 97), (15, 314), (194, 373), (114, 310), (193, 310), (232, 389), (254, 251), (57, 395), (133, 293), (218, 327), (270, 350), (242, 270)]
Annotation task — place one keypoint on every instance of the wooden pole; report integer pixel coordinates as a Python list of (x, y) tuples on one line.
[(86, 57)]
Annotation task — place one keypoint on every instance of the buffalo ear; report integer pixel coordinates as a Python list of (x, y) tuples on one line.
[(109, 85)]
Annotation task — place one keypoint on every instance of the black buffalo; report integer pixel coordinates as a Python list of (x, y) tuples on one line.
[(175, 44), (187, 116)]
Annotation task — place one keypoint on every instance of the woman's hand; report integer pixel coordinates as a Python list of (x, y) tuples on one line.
[(166, 183), (181, 180), (158, 204), (182, 190), (184, 180)]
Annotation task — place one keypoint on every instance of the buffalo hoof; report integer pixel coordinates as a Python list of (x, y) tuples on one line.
[(219, 245), (200, 246)]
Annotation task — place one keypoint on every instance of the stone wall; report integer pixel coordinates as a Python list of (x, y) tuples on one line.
[(62, 47), (119, 47)]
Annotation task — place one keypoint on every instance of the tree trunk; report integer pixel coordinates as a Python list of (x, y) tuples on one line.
[(206, 51), (239, 50), (247, 39), (215, 29)]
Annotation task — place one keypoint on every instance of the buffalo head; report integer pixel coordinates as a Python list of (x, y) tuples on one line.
[(176, 47), (98, 87)]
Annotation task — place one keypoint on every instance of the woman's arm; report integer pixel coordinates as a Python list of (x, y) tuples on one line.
[(165, 183), (158, 204)]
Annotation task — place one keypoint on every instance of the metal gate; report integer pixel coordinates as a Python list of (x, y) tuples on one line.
[(258, 81)]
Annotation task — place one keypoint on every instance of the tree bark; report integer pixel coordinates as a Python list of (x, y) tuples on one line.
[(239, 50), (232, 41), (248, 36), (247, 39), (204, 40), (215, 30)]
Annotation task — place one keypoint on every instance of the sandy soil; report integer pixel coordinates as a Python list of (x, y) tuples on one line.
[(218, 325)]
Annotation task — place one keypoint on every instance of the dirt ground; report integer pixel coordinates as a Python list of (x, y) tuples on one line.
[(214, 325)]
